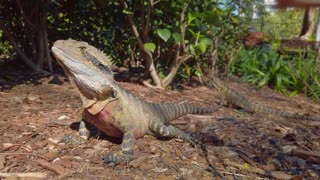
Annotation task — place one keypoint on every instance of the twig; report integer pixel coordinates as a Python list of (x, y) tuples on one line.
[(271, 174), (245, 157), (25, 154), (303, 153), (25, 175)]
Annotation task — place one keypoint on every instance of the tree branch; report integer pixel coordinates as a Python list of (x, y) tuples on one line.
[(27, 20), (183, 27), (175, 68), (147, 55), (19, 51), (146, 26)]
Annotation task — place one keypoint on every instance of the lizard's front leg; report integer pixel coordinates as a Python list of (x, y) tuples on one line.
[(127, 149), (84, 134)]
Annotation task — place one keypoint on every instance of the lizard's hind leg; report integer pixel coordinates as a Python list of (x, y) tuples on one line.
[(170, 131)]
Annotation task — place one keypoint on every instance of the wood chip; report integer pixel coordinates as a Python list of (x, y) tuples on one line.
[(55, 168), (6, 146), (51, 155), (137, 162), (64, 162), (2, 161)]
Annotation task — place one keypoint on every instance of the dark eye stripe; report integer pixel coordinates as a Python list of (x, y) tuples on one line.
[(104, 68), (95, 61)]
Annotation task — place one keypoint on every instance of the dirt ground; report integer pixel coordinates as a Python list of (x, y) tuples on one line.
[(37, 111)]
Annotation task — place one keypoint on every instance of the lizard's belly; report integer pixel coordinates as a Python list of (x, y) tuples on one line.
[(110, 124)]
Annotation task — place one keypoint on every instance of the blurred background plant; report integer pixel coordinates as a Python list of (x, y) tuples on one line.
[(173, 41)]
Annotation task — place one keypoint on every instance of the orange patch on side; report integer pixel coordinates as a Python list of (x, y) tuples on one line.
[(104, 121)]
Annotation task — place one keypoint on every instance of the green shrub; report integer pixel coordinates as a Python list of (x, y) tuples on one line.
[(295, 73)]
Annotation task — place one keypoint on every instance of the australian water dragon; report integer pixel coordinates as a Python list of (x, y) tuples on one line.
[(235, 98), (112, 109)]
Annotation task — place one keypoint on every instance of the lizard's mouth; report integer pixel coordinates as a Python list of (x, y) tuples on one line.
[(91, 83)]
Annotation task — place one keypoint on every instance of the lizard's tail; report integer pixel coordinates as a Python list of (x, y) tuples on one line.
[(170, 111), (293, 115)]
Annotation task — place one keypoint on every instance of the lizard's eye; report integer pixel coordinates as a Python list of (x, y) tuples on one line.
[(82, 48)]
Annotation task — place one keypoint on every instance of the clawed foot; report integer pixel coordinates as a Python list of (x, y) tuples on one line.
[(117, 157), (73, 140)]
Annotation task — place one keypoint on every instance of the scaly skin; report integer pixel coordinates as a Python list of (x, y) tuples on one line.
[(241, 101), (112, 109)]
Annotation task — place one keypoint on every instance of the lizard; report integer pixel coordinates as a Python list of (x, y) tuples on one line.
[(237, 99), (111, 108)]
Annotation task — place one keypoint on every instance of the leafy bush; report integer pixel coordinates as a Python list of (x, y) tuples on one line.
[(5, 47), (261, 67), (295, 73)]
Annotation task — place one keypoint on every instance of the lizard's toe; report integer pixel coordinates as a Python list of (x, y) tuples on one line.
[(73, 140), (117, 157)]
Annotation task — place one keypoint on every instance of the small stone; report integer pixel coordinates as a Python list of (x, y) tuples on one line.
[(62, 117)]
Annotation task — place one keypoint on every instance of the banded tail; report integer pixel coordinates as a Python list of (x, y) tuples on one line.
[(241, 101), (283, 113), (169, 111)]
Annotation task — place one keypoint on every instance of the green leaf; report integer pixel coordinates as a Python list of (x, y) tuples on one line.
[(202, 47), (177, 37), (150, 46), (211, 17), (191, 17), (192, 49), (293, 93), (198, 73), (126, 11), (162, 75), (206, 41), (187, 70), (164, 34)]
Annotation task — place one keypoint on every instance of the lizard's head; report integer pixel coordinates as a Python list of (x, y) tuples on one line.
[(87, 68)]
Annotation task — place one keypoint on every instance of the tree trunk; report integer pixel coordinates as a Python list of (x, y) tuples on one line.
[(308, 24), (30, 40)]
